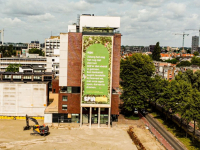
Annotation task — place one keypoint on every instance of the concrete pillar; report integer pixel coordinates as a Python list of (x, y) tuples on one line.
[(81, 116), (90, 117), (108, 117), (42, 78), (99, 113)]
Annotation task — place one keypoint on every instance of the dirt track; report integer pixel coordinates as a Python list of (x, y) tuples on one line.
[(13, 137)]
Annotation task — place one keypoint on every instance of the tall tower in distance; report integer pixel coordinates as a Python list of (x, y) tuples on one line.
[(2, 36), (195, 43)]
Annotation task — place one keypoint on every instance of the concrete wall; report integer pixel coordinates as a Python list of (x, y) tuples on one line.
[(63, 59), (99, 21), (19, 99)]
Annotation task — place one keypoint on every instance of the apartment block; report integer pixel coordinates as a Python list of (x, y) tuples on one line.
[(52, 46)]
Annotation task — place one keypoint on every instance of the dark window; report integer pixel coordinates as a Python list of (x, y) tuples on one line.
[(75, 89), (64, 107), (54, 90)]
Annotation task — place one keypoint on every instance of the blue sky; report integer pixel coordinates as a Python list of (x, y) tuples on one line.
[(143, 22)]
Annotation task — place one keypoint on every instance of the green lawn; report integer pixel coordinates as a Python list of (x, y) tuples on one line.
[(175, 130)]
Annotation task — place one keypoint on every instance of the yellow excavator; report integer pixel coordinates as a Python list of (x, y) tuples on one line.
[(37, 129)]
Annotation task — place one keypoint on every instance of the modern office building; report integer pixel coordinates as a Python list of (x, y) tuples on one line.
[(86, 91), (195, 43)]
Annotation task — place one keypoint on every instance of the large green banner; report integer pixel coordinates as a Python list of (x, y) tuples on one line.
[(96, 69)]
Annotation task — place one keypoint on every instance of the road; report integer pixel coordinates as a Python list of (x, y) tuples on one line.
[(164, 133)]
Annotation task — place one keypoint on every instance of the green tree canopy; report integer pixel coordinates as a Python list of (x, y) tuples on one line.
[(36, 51), (173, 61), (195, 61), (13, 68), (156, 52), (184, 64), (196, 53), (136, 72)]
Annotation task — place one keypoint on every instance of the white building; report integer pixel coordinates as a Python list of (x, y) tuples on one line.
[(52, 46), (4, 62), (53, 64), (19, 98)]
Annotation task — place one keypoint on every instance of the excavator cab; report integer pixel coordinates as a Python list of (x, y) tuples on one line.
[(37, 129)]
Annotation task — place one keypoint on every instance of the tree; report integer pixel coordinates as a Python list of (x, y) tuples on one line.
[(196, 53), (195, 61), (13, 68), (36, 51), (183, 63), (136, 72), (156, 52), (173, 61), (188, 51)]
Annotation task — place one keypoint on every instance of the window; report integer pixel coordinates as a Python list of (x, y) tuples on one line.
[(27, 77), (54, 90), (69, 89), (64, 98), (37, 77), (16, 77), (64, 107), (75, 89)]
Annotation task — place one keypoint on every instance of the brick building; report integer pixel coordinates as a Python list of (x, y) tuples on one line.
[(89, 73)]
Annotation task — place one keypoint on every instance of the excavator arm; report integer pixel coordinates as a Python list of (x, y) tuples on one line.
[(28, 127)]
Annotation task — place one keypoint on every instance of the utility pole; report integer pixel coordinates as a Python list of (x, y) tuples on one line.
[(183, 38)]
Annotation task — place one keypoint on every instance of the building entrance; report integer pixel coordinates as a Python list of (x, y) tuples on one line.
[(93, 115)]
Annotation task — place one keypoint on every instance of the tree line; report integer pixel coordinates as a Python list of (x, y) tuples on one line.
[(139, 84)]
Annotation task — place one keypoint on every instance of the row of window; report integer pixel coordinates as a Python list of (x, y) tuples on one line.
[(69, 89), (26, 77)]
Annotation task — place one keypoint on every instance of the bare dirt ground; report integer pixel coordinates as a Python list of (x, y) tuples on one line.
[(13, 137)]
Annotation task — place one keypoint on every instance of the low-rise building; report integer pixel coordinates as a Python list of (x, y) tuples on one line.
[(34, 44), (5, 61), (21, 98)]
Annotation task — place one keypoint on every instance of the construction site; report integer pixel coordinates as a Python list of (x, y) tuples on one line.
[(71, 136)]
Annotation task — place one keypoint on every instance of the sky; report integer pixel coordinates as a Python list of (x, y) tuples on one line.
[(143, 22)]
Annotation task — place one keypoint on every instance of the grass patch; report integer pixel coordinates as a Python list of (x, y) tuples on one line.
[(175, 130), (132, 117)]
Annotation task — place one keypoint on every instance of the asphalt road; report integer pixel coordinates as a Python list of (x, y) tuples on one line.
[(164, 133)]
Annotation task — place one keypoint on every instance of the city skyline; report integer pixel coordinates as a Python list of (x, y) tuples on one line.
[(143, 22)]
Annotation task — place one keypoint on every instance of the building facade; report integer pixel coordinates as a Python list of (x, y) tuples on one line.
[(52, 46), (34, 44), (195, 43), (5, 61), (89, 72)]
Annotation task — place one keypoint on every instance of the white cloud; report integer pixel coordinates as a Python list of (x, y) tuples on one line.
[(41, 18), (8, 22), (177, 8)]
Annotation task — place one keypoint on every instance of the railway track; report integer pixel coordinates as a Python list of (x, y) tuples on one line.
[(165, 134)]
